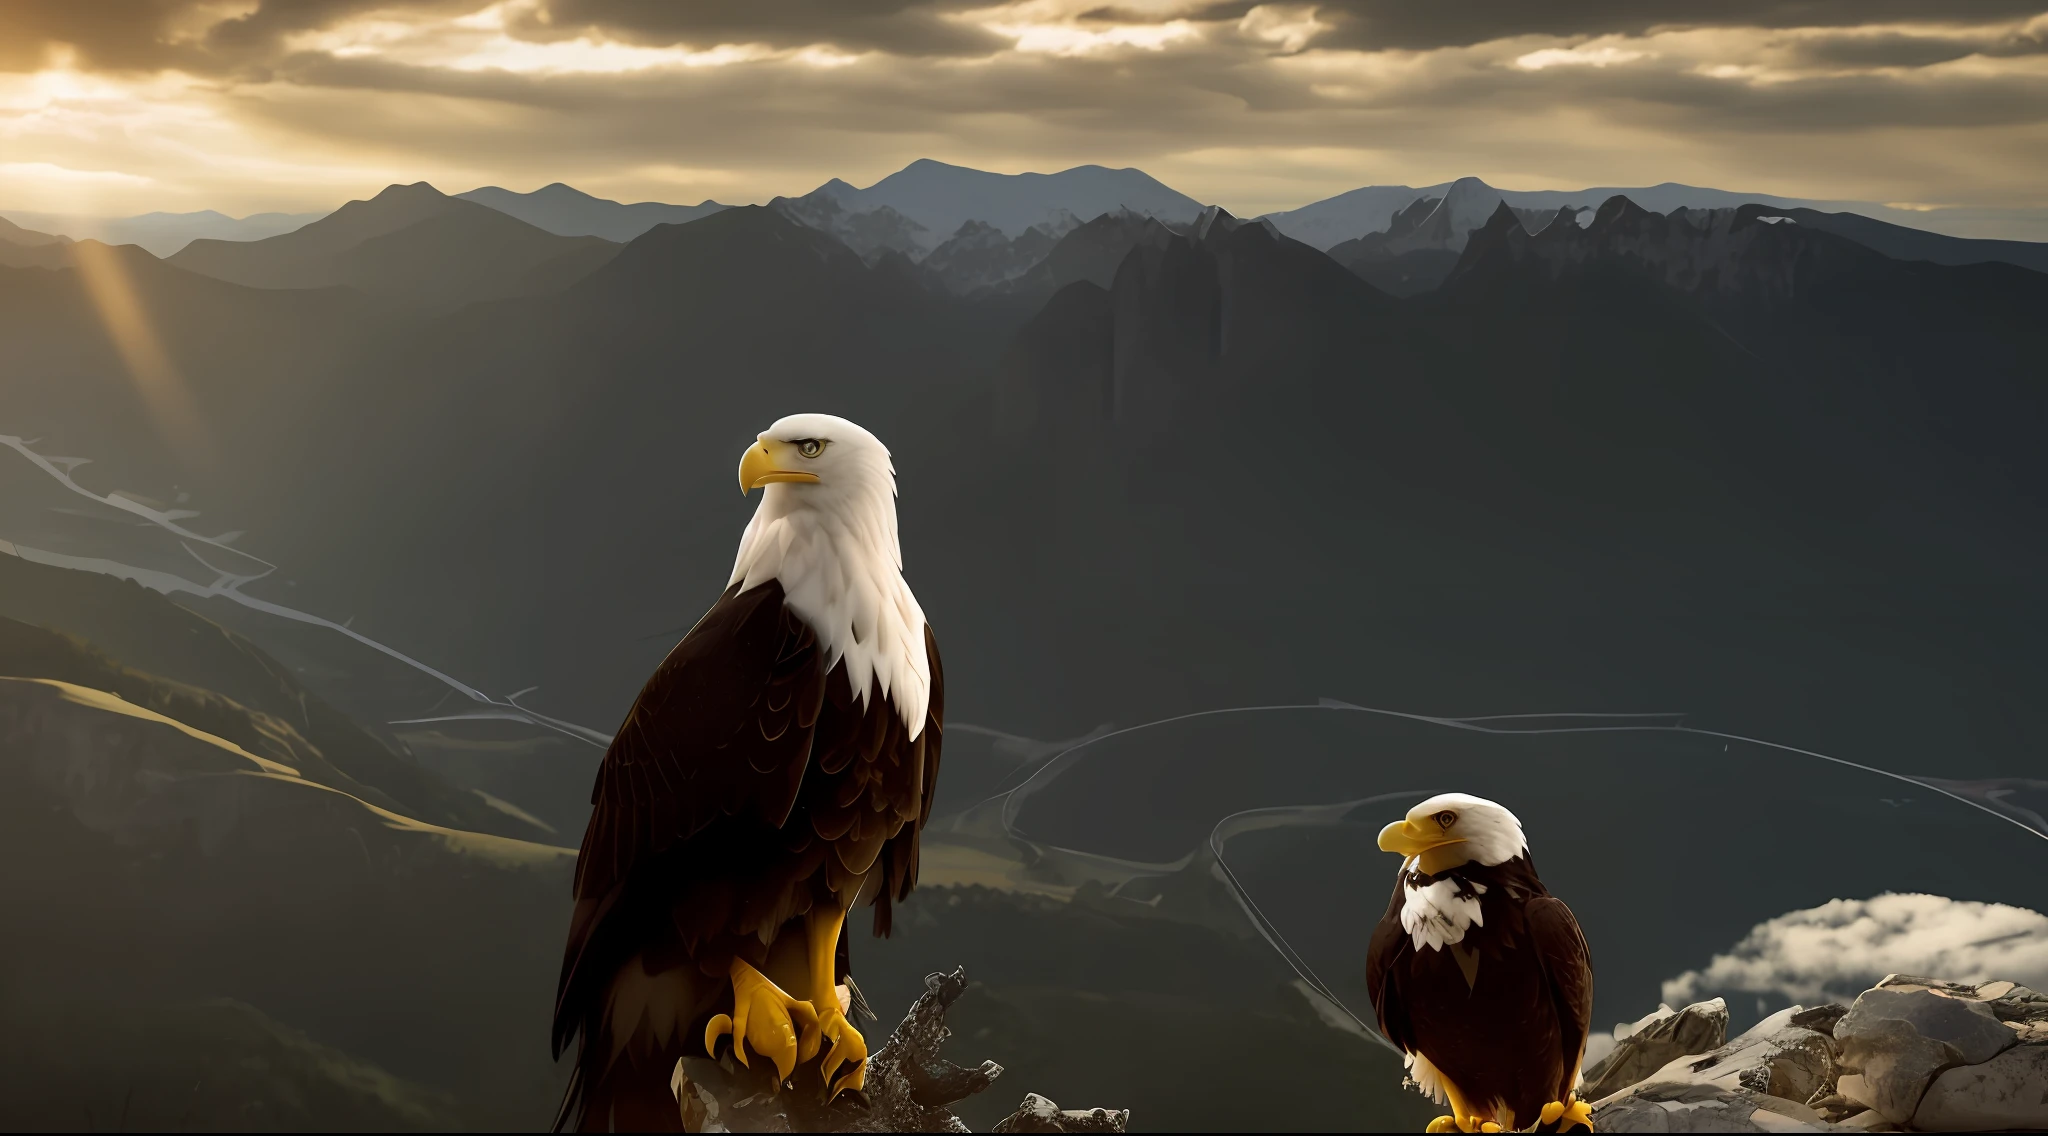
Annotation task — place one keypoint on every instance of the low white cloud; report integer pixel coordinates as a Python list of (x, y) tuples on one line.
[(1576, 57), (1072, 39), (1288, 27), (1834, 951)]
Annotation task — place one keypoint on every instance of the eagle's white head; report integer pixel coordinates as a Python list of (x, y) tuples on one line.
[(1451, 829), (826, 528)]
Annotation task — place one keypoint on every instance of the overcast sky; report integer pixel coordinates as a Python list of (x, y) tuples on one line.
[(123, 106)]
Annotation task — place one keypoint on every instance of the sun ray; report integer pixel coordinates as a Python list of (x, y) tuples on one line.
[(111, 285)]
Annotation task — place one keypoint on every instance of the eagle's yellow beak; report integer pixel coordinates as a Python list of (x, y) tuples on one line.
[(768, 461), (1411, 839)]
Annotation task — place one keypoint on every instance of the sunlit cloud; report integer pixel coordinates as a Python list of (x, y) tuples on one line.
[(1074, 39), (1576, 57), (63, 176), (1288, 27), (1256, 106), (1840, 948), (479, 42)]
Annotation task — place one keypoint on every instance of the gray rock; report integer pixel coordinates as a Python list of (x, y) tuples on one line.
[(1899, 1038), (1776, 1058), (1038, 1114), (2010, 1002), (1655, 1042), (2010, 1091), (1667, 1106)]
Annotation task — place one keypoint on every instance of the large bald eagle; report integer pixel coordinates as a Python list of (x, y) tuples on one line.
[(1479, 974), (773, 774)]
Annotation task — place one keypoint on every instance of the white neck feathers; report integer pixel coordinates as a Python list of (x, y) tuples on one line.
[(835, 551)]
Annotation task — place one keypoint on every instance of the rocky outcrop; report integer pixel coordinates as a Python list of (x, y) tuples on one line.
[(1656, 1041), (1911, 1054)]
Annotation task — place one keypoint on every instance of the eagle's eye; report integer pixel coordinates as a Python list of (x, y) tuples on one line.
[(1446, 818), (810, 447)]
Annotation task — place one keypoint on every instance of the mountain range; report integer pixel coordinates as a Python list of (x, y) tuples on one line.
[(164, 233), (1370, 208), (1773, 472), (411, 244), (935, 199)]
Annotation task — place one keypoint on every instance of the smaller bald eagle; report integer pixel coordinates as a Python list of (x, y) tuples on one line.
[(1479, 974)]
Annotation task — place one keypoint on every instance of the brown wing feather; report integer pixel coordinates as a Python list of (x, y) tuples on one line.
[(1555, 936), (713, 722), (742, 740), (709, 735), (1383, 975)]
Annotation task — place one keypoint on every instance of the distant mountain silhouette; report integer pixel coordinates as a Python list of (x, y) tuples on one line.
[(570, 212), (411, 244), (941, 198), (165, 233), (1370, 209), (1902, 243), (13, 234)]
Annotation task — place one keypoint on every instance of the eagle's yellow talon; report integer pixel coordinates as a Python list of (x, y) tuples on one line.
[(847, 1046), (1443, 1124), (1488, 1126), (765, 1018), (1575, 1114), (719, 1026)]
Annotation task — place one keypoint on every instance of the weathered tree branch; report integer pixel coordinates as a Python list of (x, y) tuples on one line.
[(910, 1085)]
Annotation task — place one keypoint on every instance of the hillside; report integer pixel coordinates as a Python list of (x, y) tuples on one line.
[(224, 685), (173, 866), (410, 245)]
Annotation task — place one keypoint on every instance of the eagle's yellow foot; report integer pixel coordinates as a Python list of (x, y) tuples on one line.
[(1568, 1115), (848, 1048), (1461, 1124), (766, 1018)]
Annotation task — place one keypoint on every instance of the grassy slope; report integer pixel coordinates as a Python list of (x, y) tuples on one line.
[(149, 633)]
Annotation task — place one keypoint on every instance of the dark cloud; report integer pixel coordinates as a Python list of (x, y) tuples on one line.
[(157, 35), (899, 27), (1902, 50), (1406, 24), (1218, 104), (118, 35), (1126, 109)]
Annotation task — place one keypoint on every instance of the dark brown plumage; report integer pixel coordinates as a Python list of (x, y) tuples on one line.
[(746, 785), (1504, 1014)]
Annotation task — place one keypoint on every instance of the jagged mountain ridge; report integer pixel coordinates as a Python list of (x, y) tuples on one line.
[(1421, 244), (979, 255), (1353, 213)]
